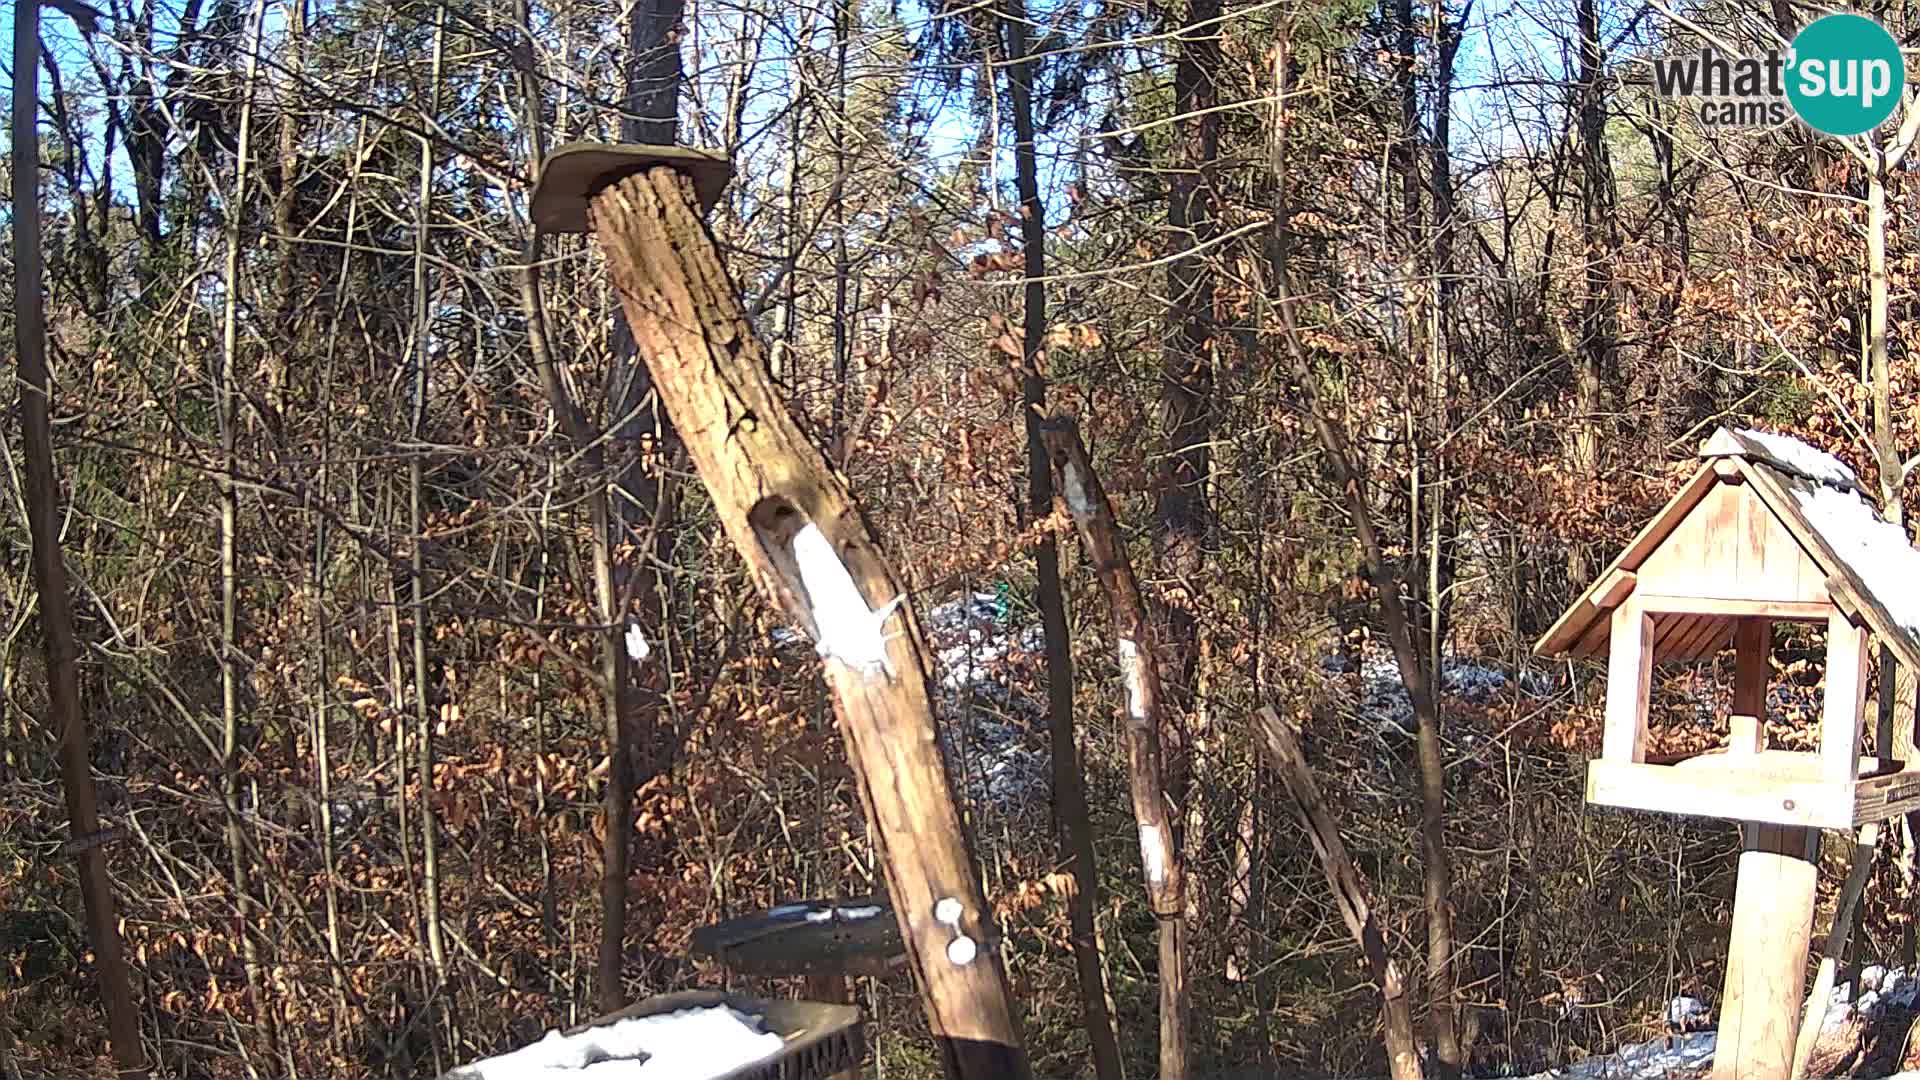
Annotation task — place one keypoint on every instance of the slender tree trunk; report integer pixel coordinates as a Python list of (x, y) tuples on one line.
[(62, 648), (416, 517), (1597, 370), (239, 860), (637, 521), (1401, 631), (1136, 646), (1071, 822), (1897, 691), (1182, 517)]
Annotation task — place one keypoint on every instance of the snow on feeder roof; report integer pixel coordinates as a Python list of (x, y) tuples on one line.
[(1767, 520)]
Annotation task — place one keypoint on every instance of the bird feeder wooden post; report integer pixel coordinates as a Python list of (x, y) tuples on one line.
[(1766, 530), (795, 522)]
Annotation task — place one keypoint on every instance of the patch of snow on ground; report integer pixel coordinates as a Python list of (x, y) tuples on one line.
[(680, 1045), (1385, 707), (1803, 459), (1684, 1012), (990, 732), (1880, 990), (1641, 1061), (1878, 550)]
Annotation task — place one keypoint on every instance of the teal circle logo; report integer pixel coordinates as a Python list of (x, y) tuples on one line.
[(1846, 75)]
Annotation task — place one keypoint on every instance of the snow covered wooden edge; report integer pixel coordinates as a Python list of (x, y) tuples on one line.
[(691, 1035), (1871, 563)]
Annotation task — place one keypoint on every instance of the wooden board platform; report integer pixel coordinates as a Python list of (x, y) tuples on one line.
[(1781, 787)]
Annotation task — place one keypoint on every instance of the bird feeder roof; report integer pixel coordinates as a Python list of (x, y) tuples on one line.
[(1765, 518)]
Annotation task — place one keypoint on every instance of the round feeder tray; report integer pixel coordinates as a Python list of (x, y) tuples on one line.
[(808, 937)]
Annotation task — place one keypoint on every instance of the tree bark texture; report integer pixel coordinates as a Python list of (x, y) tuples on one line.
[(777, 496), (1136, 647), (61, 644), (1071, 820)]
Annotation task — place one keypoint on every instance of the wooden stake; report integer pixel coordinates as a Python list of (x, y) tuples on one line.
[(1767, 961), (798, 527)]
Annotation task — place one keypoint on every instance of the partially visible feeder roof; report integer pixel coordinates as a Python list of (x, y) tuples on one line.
[(1871, 567)]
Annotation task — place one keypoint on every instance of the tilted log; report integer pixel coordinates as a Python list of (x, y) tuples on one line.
[(795, 522), (1349, 892)]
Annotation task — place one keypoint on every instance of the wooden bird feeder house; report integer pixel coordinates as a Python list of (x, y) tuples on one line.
[(1766, 530)]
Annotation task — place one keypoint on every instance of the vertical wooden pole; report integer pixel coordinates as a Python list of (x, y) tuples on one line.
[(1767, 961), (792, 519), (1752, 643), (1772, 910), (1845, 701), (1629, 678)]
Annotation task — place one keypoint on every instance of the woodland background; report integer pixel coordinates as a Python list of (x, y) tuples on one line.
[(352, 592)]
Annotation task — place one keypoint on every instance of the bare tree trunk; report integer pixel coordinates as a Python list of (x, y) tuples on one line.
[(641, 503), (1071, 820), (62, 647), (1896, 694), (239, 859), (1349, 891), (1598, 367), (416, 517), (1136, 645), (1402, 634)]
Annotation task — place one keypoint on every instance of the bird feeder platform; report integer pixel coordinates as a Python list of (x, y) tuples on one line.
[(811, 938), (1767, 530), (822, 1040)]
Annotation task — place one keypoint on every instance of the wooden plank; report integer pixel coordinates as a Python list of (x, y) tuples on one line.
[(1845, 699), (1705, 641), (1719, 567), (1885, 797), (1573, 623), (1594, 643), (1786, 610), (1612, 589), (1629, 677), (1767, 960), (1752, 644), (1669, 631), (1712, 786), (1781, 569)]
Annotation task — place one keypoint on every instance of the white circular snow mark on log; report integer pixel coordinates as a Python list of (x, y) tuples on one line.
[(947, 911), (1133, 673), (1153, 854), (962, 950)]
